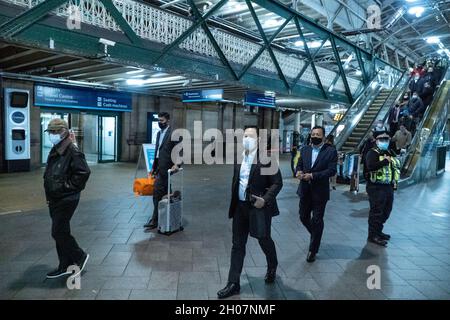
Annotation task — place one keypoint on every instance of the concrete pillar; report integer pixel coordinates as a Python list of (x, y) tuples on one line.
[(297, 122), (316, 120)]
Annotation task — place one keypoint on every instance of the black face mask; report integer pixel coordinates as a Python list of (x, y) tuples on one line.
[(316, 141), (162, 126)]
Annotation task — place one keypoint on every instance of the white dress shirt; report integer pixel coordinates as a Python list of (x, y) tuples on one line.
[(161, 139), (315, 153), (246, 165)]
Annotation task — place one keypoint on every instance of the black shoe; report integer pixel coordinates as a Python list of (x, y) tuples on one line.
[(230, 290), (377, 240), (59, 272), (270, 275), (311, 257), (151, 225), (385, 236), (82, 263)]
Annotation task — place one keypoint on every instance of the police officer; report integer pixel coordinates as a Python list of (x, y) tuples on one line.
[(383, 172)]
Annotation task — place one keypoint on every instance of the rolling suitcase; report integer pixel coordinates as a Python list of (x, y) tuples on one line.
[(170, 208)]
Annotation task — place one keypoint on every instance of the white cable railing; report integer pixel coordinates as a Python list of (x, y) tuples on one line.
[(160, 26)]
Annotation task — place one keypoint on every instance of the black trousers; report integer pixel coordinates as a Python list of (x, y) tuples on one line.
[(160, 190), (311, 215), (240, 236), (381, 198), (61, 211)]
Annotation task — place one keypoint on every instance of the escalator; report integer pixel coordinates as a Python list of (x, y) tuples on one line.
[(374, 103), (421, 160), (358, 133)]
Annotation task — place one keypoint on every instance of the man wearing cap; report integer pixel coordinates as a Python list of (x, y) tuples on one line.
[(383, 172), (65, 177)]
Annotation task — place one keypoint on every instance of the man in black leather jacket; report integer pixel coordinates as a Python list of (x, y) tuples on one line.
[(65, 177)]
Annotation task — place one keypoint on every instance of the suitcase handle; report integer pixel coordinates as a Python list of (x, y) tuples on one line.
[(169, 171)]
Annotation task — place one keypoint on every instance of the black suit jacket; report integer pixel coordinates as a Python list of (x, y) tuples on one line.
[(164, 162), (265, 186), (391, 117), (317, 189)]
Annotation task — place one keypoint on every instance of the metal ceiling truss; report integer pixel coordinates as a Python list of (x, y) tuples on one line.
[(18, 29)]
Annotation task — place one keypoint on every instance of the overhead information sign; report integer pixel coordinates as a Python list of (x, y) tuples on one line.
[(266, 99), (81, 98), (203, 95)]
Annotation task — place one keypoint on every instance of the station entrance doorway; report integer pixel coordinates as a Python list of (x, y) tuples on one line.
[(96, 135)]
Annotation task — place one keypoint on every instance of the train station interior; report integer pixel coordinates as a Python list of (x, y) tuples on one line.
[(109, 75)]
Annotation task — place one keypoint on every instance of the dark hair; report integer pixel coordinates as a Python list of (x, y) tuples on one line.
[(164, 115), (330, 138), (252, 127), (319, 127)]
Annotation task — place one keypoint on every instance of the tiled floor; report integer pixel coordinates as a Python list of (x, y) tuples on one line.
[(127, 263)]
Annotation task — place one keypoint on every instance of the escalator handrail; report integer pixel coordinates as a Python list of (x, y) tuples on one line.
[(414, 141), (383, 106)]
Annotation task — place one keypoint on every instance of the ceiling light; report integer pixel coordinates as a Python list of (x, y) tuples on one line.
[(140, 82), (136, 82), (135, 71), (298, 43), (433, 40), (418, 11), (314, 44), (159, 74), (358, 73), (272, 23)]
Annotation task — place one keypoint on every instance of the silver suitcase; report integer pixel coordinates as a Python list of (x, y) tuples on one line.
[(170, 209)]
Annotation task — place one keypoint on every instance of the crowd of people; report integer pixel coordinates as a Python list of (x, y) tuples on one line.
[(409, 111)]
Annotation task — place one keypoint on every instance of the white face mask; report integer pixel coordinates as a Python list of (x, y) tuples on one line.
[(249, 143), (55, 138)]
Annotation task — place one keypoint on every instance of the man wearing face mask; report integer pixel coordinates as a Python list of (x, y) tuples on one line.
[(415, 83), (416, 108), (65, 177), (252, 192), (427, 84), (394, 118), (383, 173), (161, 164), (317, 164)]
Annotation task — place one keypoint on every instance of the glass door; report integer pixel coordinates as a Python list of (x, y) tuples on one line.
[(107, 135), (46, 145)]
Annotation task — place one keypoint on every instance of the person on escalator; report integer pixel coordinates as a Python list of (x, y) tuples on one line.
[(415, 83), (401, 139), (416, 106), (427, 85), (394, 118)]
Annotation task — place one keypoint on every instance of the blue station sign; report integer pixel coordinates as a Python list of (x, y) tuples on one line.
[(81, 98), (256, 99), (203, 95)]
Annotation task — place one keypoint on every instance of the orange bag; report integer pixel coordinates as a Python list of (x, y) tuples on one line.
[(144, 186)]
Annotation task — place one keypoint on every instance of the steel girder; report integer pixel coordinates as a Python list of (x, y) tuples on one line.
[(19, 28)]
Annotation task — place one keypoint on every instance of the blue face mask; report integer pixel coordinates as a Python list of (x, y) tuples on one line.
[(383, 145)]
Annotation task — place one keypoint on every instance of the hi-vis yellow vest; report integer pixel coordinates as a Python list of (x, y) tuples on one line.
[(388, 174)]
